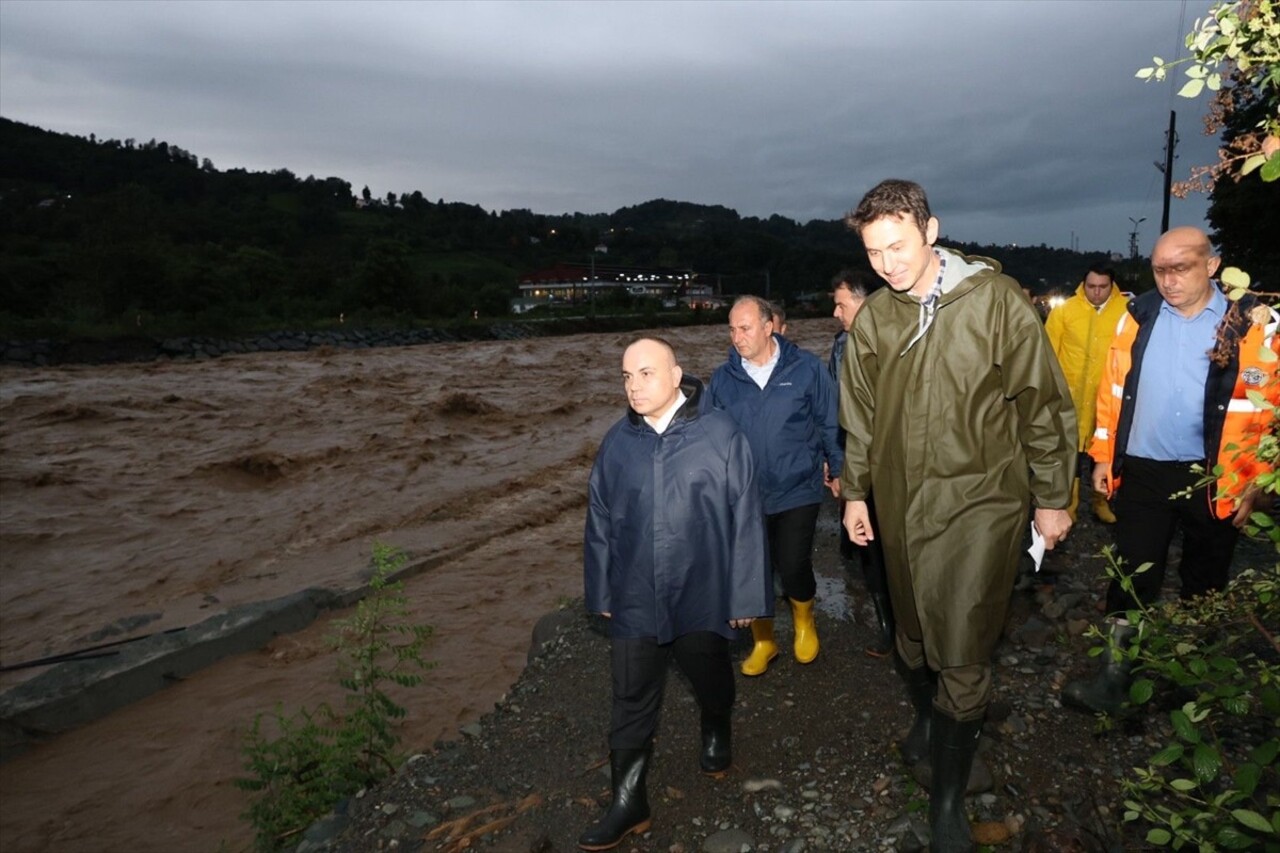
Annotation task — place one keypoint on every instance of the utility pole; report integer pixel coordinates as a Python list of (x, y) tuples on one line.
[(593, 283), (1170, 143), (1133, 236)]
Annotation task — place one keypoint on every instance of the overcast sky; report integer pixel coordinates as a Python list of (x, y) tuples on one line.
[(1023, 120)]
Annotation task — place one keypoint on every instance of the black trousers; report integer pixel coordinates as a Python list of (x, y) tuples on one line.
[(1147, 517), (871, 555), (640, 674), (791, 549)]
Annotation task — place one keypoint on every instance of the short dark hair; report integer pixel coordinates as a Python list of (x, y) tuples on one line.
[(1100, 268), (662, 342), (891, 198), (856, 281)]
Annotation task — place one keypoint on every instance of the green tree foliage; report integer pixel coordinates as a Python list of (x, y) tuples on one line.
[(103, 235), (386, 277), (1236, 45), (1242, 212)]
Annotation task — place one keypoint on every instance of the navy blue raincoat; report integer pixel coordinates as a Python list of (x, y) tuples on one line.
[(792, 423), (675, 537)]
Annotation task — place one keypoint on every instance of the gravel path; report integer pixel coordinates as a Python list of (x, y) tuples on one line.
[(816, 766)]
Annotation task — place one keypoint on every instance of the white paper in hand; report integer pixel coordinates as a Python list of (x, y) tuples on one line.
[(1037, 546)]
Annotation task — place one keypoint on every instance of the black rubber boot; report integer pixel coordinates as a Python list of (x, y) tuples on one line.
[(920, 687), (1107, 690), (877, 583), (628, 814), (954, 744), (717, 753)]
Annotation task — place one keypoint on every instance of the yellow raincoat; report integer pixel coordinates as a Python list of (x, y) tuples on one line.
[(1080, 335)]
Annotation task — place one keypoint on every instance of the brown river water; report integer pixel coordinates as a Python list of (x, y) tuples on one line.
[(162, 493)]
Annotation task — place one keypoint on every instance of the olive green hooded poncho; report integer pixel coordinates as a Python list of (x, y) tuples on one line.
[(956, 433)]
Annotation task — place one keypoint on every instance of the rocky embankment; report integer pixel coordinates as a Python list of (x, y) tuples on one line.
[(816, 765)]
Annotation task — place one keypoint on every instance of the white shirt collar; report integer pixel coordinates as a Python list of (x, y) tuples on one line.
[(664, 421)]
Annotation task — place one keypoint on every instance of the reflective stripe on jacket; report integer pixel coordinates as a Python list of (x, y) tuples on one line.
[(1233, 422)]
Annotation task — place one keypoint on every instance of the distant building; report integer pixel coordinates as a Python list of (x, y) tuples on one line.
[(574, 283)]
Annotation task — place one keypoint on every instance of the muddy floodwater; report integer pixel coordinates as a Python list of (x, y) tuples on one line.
[(147, 497)]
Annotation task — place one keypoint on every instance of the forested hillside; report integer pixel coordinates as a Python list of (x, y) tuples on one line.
[(110, 236)]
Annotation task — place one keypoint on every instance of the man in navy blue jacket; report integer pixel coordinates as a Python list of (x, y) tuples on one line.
[(674, 557), (783, 399)]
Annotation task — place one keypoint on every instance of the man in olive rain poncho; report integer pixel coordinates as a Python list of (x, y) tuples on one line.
[(958, 417)]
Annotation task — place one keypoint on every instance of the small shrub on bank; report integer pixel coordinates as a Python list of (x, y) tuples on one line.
[(318, 757), (1212, 665)]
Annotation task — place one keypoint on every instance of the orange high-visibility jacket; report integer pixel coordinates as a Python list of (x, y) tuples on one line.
[(1233, 423)]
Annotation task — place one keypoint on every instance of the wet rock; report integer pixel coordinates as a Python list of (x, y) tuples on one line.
[(990, 833), (729, 841)]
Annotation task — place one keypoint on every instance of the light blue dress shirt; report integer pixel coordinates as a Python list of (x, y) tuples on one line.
[(1168, 414), (760, 373)]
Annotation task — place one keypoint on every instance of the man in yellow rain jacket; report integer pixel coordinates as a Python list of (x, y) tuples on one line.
[(1080, 330)]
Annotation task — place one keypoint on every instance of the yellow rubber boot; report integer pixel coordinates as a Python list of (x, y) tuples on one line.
[(806, 631), (1102, 509), (765, 648), (1075, 500)]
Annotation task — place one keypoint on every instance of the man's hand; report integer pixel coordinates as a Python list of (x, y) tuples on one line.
[(1053, 525), (1099, 479), (857, 521), (832, 483), (1247, 502), (741, 623)]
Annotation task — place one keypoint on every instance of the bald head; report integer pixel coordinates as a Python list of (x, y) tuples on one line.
[(1188, 238), (651, 377), (1183, 264)]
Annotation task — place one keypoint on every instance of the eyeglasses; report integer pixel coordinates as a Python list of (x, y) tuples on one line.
[(1177, 270)]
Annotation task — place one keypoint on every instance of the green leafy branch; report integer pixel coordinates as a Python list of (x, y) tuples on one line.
[(1216, 784), (1239, 40)]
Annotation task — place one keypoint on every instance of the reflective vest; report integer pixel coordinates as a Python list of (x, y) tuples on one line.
[(1233, 422)]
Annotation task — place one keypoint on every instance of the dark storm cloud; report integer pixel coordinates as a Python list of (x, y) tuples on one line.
[(1023, 120)]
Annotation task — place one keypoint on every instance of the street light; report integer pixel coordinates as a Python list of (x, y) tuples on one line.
[(1133, 237)]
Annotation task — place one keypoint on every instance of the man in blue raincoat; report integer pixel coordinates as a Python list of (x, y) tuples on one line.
[(785, 402), (674, 557)]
